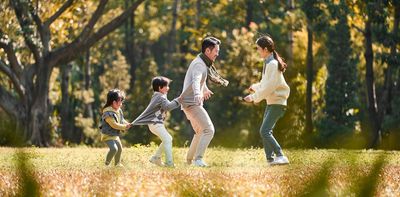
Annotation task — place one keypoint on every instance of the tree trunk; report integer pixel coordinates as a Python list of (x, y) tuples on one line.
[(249, 12), (65, 109), (88, 107), (129, 52), (172, 35), (198, 14), (309, 123), (39, 114), (374, 125), (289, 58)]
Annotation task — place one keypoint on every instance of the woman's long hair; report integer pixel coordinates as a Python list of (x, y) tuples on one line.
[(114, 95), (267, 42)]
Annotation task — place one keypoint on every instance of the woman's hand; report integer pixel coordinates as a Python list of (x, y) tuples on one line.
[(251, 88), (248, 99)]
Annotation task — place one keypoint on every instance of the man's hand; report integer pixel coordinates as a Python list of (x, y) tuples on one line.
[(207, 94), (198, 99), (248, 99)]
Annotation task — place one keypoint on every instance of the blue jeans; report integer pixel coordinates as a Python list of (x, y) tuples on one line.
[(272, 114)]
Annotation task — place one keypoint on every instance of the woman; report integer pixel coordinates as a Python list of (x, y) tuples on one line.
[(274, 89)]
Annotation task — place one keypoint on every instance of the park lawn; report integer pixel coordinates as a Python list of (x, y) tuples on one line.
[(233, 172)]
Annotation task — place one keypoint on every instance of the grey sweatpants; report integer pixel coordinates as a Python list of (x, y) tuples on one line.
[(115, 151), (203, 128)]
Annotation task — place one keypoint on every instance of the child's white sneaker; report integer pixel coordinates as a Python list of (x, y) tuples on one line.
[(281, 160), (156, 161), (199, 163)]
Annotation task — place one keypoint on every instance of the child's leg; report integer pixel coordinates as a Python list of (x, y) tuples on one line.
[(113, 149), (166, 144), (119, 151)]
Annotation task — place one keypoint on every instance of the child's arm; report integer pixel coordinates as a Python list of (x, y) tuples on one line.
[(169, 105), (115, 125)]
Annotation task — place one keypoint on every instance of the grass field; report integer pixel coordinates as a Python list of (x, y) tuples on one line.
[(232, 172)]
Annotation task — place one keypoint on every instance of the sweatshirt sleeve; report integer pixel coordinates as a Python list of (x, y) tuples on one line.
[(197, 73), (267, 85), (113, 124), (167, 105)]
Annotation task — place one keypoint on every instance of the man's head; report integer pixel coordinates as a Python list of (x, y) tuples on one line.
[(210, 47)]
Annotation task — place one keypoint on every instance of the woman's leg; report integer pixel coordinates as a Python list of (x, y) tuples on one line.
[(271, 116), (113, 149)]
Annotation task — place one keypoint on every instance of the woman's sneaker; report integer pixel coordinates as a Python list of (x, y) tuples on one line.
[(281, 160), (199, 163), (156, 160)]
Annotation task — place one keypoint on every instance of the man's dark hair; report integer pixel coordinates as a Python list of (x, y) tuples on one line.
[(159, 82), (209, 42)]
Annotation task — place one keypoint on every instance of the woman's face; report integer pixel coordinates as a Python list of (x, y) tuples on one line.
[(262, 52)]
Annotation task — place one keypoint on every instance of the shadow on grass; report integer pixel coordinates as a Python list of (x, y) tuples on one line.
[(365, 186), (27, 182)]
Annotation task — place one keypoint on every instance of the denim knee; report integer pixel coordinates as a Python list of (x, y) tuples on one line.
[(266, 133)]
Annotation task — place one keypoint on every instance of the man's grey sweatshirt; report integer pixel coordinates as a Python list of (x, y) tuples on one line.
[(156, 110)]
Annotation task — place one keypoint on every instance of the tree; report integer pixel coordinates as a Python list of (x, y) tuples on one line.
[(30, 105), (341, 85)]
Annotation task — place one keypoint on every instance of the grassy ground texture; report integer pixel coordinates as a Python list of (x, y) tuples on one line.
[(232, 172)]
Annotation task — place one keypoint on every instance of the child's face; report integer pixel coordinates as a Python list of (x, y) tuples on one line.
[(117, 104), (165, 89)]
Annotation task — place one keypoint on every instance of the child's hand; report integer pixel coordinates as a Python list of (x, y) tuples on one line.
[(128, 126), (180, 99)]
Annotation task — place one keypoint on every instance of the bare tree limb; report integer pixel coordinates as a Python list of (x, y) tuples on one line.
[(93, 20), (6, 70), (358, 29), (65, 54), (21, 11), (58, 13), (9, 103), (12, 58)]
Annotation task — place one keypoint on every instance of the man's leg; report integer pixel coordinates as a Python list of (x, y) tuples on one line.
[(189, 112), (206, 130)]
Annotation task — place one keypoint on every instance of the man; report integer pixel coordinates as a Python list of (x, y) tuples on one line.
[(194, 93)]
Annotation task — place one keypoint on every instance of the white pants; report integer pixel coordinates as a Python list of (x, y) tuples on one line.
[(166, 141), (203, 128)]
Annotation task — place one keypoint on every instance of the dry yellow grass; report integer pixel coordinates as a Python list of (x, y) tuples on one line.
[(233, 172)]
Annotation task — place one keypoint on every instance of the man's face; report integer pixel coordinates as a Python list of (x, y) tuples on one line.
[(212, 53)]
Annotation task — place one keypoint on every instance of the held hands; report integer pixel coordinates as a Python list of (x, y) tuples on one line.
[(128, 125)]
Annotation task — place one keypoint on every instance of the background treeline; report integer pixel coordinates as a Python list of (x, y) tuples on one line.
[(59, 59)]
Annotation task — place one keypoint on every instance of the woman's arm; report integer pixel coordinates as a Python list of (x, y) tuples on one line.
[(268, 85)]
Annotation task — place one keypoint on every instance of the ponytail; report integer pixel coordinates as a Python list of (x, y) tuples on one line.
[(281, 64)]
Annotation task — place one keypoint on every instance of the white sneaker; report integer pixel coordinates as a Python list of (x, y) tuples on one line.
[(119, 165), (199, 163), (156, 160), (281, 160)]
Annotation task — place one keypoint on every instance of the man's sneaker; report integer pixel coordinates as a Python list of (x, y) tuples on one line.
[(281, 160), (199, 163), (119, 165), (156, 160)]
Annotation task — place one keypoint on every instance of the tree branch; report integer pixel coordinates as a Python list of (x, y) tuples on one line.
[(112, 25), (25, 22), (93, 20), (58, 13), (6, 70), (67, 53), (9, 103), (12, 58), (358, 28)]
